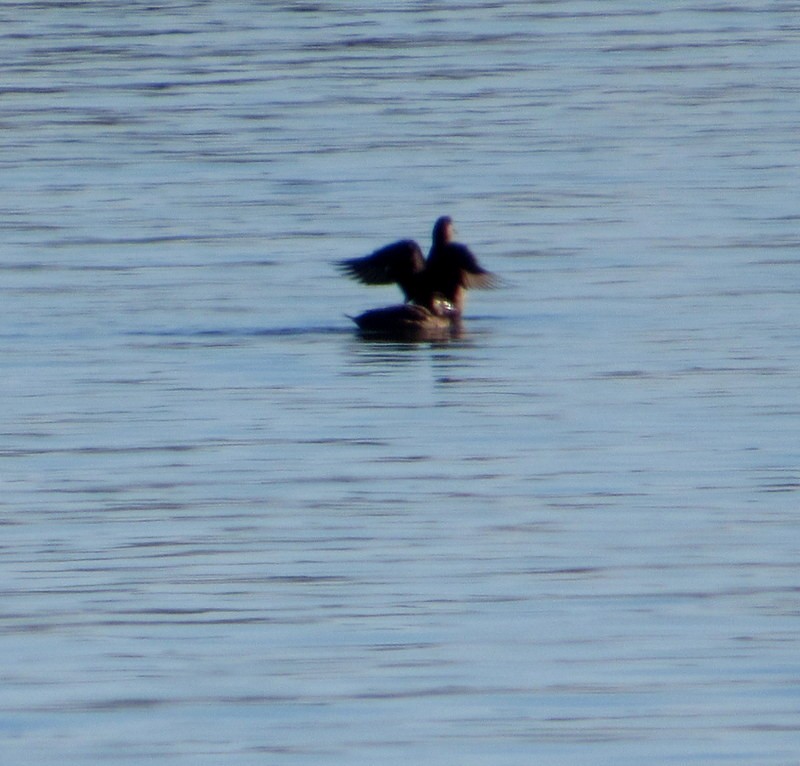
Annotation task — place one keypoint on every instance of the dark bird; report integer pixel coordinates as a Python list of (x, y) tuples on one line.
[(411, 322), (448, 272)]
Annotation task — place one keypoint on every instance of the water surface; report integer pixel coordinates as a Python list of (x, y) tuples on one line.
[(233, 530)]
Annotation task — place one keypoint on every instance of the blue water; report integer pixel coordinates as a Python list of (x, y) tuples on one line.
[(232, 531)]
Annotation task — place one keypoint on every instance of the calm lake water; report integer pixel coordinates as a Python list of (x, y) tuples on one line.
[(234, 532)]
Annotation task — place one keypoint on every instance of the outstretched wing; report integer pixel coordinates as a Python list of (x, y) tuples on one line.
[(473, 275), (399, 262)]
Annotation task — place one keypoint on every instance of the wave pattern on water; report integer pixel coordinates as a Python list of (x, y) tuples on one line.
[(233, 530)]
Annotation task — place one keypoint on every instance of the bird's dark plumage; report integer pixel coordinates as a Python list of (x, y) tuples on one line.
[(401, 262), (408, 321), (449, 270)]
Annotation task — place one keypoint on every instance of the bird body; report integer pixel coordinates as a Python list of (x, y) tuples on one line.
[(410, 321), (448, 272)]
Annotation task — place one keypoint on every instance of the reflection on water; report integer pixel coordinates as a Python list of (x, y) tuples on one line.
[(235, 530)]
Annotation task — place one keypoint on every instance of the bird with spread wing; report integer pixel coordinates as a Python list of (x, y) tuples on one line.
[(449, 271)]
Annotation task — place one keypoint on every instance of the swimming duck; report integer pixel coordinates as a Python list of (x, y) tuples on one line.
[(411, 321), (450, 270)]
